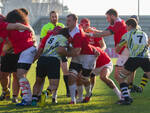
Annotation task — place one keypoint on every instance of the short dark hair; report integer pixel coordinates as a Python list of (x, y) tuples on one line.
[(136, 17), (112, 12), (132, 22), (74, 16), (64, 32), (16, 16), (53, 12), (24, 10)]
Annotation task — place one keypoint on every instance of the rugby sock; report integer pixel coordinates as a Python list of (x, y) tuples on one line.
[(144, 81), (80, 92), (124, 90), (66, 83), (118, 93), (14, 96), (88, 90), (25, 88), (72, 89), (35, 97), (130, 86), (92, 86), (54, 94)]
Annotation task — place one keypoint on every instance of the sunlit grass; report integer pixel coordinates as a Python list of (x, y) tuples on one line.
[(102, 101)]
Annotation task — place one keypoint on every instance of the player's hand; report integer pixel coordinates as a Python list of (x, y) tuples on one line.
[(148, 41), (96, 53), (117, 48), (89, 34)]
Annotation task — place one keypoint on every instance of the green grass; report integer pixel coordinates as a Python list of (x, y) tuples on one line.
[(103, 100)]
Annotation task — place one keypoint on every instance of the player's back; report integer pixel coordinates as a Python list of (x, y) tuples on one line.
[(20, 39), (137, 43), (52, 43)]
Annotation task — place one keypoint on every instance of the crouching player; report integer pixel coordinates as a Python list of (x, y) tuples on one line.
[(104, 68), (138, 44), (97, 42)]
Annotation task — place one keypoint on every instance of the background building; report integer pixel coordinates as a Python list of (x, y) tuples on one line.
[(37, 8)]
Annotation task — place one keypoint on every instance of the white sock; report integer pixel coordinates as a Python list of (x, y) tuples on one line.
[(25, 88), (88, 90), (80, 92), (118, 92), (92, 85), (72, 89), (54, 94)]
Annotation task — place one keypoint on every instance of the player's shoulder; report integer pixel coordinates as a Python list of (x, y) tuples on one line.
[(77, 31)]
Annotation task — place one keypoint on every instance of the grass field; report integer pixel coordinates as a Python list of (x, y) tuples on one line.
[(102, 101)]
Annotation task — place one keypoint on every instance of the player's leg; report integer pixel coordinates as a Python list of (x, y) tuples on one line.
[(88, 64), (53, 88), (13, 59), (104, 76), (130, 82), (15, 88), (24, 63), (52, 68), (41, 72), (74, 69), (87, 84), (143, 83), (120, 63), (64, 66), (146, 76), (130, 66), (79, 89), (4, 77), (92, 80), (54, 77)]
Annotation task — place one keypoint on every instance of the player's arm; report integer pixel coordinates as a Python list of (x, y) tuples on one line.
[(41, 46), (122, 43), (102, 44), (38, 54), (100, 33), (148, 41), (71, 52), (18, 26)]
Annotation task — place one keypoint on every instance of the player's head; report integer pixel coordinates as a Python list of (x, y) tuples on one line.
[(25, 11), (111, 15), (56, 30), (16, 16), (72, 20), (54, 17), (135, 17), (65, 32), (85, 23), (131, 24)]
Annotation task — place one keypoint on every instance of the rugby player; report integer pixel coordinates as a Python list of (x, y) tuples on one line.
[(23, 45), (48, 28), (104, 65), (49, 61), (138, 44)]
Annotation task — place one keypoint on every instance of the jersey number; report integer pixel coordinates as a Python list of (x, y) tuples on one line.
[(51, 40), (140, 38)]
